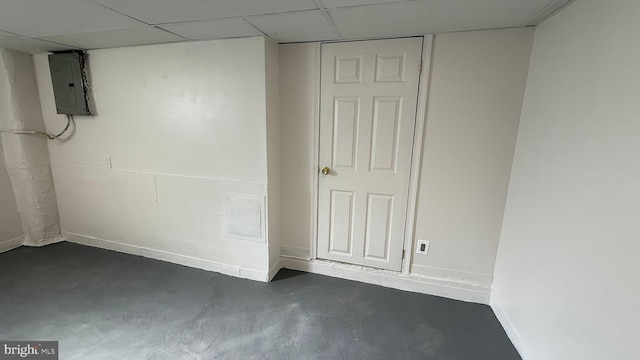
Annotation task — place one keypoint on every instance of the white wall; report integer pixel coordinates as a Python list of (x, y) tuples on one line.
[(299, 66), (10, 228), (272, 95), (477, 85), (184, 125), (566, 278)]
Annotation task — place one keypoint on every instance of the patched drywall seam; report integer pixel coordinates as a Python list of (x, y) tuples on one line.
[(27, 156)]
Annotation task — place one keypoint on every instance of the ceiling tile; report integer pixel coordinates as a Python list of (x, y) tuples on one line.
[(231, 8), (295, 27), (169, 11), (162, 11), (32, 46), (4, 34), (283, 20), (212, 29), (426, 17), (42, 18), (116, 38), (344, 3)]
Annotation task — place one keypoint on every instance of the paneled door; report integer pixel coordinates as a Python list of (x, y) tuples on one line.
[(368, 99)]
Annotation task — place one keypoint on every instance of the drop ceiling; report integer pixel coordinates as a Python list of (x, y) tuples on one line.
[(52, 25)]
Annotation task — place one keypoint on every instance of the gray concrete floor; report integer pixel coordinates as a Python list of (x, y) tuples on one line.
[(105, 305)]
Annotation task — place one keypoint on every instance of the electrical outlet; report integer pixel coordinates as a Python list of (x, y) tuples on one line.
[(107, 162), (422, 247)]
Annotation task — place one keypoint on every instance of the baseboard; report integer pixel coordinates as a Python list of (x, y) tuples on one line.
[(511, 331), (51, 240), (185, 260), (460, 277), (406, 282), (11, 244), (274, 269), (296, 253)]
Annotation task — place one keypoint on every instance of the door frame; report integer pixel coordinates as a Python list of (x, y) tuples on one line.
[(416, 157)]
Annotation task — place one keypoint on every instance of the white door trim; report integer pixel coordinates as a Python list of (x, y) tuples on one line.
[(416, 157), (316, 152)]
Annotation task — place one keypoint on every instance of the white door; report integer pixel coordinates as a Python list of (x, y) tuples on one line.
[(369, 91)]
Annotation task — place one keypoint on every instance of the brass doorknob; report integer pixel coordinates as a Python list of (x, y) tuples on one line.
[(326, 170)]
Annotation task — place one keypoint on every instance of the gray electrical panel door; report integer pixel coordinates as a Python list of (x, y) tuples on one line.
[(69, 83)]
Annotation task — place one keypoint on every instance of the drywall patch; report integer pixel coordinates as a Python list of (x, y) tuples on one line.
[(27, 156), (244, 217)]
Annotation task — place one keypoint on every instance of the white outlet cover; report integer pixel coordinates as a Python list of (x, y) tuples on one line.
[(420, 249)]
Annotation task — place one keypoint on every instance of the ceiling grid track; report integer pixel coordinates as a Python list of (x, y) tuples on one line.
[(255, 27), (327, 17), (552, 8)]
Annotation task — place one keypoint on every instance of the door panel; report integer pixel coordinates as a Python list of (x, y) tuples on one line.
[(367, 118), (345, 132), (341, 222), (379, 210), (386, 121), (390, 68), (347, 69)]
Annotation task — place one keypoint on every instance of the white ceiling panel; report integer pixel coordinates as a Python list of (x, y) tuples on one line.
[(163, 11), (295, 27), (115, 38), (169, 11), (344, 3), (232, 8), (102, 23), (426, 17), (29, 45), (212, 29), (46, 17)]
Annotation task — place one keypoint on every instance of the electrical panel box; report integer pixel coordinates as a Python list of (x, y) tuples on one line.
[(69, 82)]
